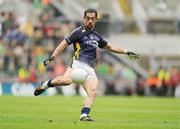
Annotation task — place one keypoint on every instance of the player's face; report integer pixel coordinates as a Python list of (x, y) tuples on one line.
[(90, 20)]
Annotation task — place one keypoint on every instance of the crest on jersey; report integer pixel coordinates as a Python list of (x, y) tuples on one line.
[(83, 30)]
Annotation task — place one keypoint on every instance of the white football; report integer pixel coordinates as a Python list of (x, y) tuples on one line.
[(78, 76)]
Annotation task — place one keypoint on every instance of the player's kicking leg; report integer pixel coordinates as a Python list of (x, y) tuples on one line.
[(58, 81), (90, 87)]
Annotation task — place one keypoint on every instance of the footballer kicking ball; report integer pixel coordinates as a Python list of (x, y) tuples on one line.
[(78, 76)]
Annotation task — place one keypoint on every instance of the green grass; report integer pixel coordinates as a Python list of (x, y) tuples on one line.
[(110, 112)]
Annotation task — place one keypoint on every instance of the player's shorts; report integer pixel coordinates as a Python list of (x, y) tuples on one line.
[(90, 71)]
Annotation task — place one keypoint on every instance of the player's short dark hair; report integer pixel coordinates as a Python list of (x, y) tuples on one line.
[(90, 11)]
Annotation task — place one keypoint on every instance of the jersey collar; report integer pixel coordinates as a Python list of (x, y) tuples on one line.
[(85, 28)]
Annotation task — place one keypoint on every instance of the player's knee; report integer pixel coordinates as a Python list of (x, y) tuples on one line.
[(93, 93)]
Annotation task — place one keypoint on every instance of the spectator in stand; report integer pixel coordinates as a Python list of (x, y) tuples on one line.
[(8, 21), (102, 68), (140, 85), (3, 50), (109, 80), (59, 67), (153, 82), (174, 80), (23, 74), (32, 74), (164, 76)]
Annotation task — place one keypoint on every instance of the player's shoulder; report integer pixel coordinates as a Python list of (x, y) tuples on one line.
[(77, 31), (97, 34)]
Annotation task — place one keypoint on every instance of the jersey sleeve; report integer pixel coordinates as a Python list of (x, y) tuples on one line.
[(72, 38), (102, 42)]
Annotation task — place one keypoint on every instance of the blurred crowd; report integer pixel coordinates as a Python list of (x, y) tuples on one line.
[(122, 80), (164, 81), (24, 46)]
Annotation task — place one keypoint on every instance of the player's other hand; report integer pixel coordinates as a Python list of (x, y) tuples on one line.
[(47, 61), (133, 55)]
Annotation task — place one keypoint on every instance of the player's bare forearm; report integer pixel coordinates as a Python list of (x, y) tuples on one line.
[(56, 52), (115, 49), (59, 48)]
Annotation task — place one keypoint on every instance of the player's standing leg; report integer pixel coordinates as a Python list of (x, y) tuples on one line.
[(90, 86)]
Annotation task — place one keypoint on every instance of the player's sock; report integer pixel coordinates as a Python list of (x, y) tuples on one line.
[(85, 111), (84, 114), (47, 84)]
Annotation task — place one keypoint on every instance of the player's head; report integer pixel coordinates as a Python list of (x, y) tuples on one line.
[(90, 18)]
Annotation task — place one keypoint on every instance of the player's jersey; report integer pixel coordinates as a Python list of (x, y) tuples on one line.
[(85, 44)]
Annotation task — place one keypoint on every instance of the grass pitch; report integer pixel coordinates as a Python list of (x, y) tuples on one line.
[(111, 112)]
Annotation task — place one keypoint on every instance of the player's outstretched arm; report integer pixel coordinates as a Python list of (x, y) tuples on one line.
[(56, 52), (59, 48), (116, 49)]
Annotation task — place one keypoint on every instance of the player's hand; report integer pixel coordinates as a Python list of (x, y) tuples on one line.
[(46, 62), (133, 55)]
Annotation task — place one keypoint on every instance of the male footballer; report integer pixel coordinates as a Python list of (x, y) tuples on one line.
[(85, 41)]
